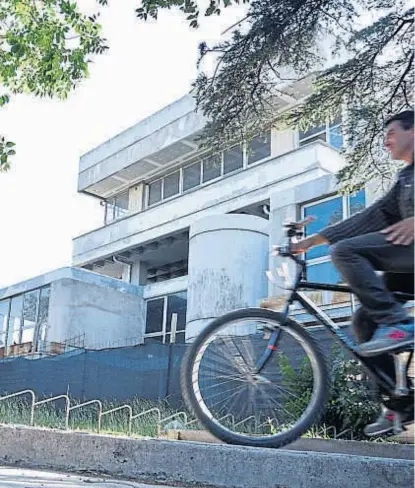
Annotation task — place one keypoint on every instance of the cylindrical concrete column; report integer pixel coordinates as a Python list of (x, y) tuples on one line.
[(228, 258)]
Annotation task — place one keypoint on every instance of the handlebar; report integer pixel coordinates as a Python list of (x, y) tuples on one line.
[(293, 229)]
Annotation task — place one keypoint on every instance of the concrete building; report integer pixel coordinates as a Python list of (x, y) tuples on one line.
[(186, 234)]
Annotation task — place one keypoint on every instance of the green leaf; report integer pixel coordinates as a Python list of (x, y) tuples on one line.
[(39, 59)]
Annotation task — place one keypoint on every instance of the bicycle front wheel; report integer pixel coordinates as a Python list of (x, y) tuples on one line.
[(238, 401)]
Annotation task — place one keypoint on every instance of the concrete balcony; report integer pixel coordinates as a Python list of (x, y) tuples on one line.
[(148, 147), (237, 190)]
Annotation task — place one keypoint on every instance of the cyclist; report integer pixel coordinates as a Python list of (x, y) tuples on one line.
[(381, 238)]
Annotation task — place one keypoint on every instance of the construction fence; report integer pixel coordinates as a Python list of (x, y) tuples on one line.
[(150, 371)]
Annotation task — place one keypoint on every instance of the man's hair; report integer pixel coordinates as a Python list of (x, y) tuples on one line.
[(405, 118)]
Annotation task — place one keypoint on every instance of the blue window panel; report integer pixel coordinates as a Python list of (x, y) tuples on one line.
[(336, 137), (357, 202), (326, 213), (324, 273), (314, 130)]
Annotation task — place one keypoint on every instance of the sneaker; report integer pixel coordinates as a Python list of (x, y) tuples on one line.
[(382, 425), (388, 339), (386, 422)]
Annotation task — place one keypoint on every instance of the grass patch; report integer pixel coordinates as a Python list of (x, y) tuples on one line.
[(53, 415)]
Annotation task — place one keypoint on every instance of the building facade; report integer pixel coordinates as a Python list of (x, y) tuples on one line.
[(186, 234)]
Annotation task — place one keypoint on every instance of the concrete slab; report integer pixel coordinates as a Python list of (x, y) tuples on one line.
[(30, 478), (355, 448), (197, 464)]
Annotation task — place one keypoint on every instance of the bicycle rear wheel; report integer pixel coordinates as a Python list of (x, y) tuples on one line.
[(237, 403)]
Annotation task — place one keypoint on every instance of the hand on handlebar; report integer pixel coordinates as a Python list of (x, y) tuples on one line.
[(295, 247), (295, 229)]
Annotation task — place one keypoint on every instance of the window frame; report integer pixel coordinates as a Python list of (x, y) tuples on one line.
[(22, 328), (216, 178), (326, 131), (166, 336), (163, 198), (193, 163), (246, 150), (244, 147), (345, 215), (114, 207), (244, 159)]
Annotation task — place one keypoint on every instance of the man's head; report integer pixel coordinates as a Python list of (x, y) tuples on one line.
[(399, 139)]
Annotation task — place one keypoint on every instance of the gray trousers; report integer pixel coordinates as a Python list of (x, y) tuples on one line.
[(359, 258)]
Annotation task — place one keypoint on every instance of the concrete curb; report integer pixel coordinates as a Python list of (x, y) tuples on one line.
[(197, 464), (354, 448)]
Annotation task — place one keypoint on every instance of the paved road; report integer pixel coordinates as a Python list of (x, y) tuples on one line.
[(30, 478)]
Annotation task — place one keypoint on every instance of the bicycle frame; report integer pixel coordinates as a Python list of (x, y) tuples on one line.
[(370, 364)]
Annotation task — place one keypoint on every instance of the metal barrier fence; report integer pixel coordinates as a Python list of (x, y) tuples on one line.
[(323, 431), (101, 413)]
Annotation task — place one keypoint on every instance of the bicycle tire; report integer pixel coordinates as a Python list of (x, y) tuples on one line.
[(280, 439)]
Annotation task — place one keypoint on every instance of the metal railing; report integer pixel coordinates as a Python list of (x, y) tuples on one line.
[(85, 404), (101, 413), (131, 416)]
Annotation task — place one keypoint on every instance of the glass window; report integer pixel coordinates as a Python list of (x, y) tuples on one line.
[(109, 210), (259, 148), (117, 206), (336, 137), (44, 305), (154, 192), (15, 320), (327, 213), (121, 204), (233, 159), (323, 273), (313, 131), (321, 137), (177, 304), (171, 184), (212, 168), (154, 316), (4, 314), (30, 305), (170, 327), (43, 313), (320, 131), (357, 202), (191, 176)]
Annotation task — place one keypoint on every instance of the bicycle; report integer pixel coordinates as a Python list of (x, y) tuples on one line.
[(245, 390)]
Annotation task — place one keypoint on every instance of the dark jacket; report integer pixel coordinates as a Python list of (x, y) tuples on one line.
[(396, 205)]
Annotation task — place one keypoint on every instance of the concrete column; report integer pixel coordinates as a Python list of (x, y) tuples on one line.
[(139, 273), (126, 273), (228, 258), (136, 198), (282, 141)]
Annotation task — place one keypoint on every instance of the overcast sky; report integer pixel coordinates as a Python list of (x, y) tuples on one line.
[(149, 65)]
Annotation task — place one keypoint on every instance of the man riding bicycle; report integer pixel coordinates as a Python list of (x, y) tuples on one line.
[(381, 238)]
